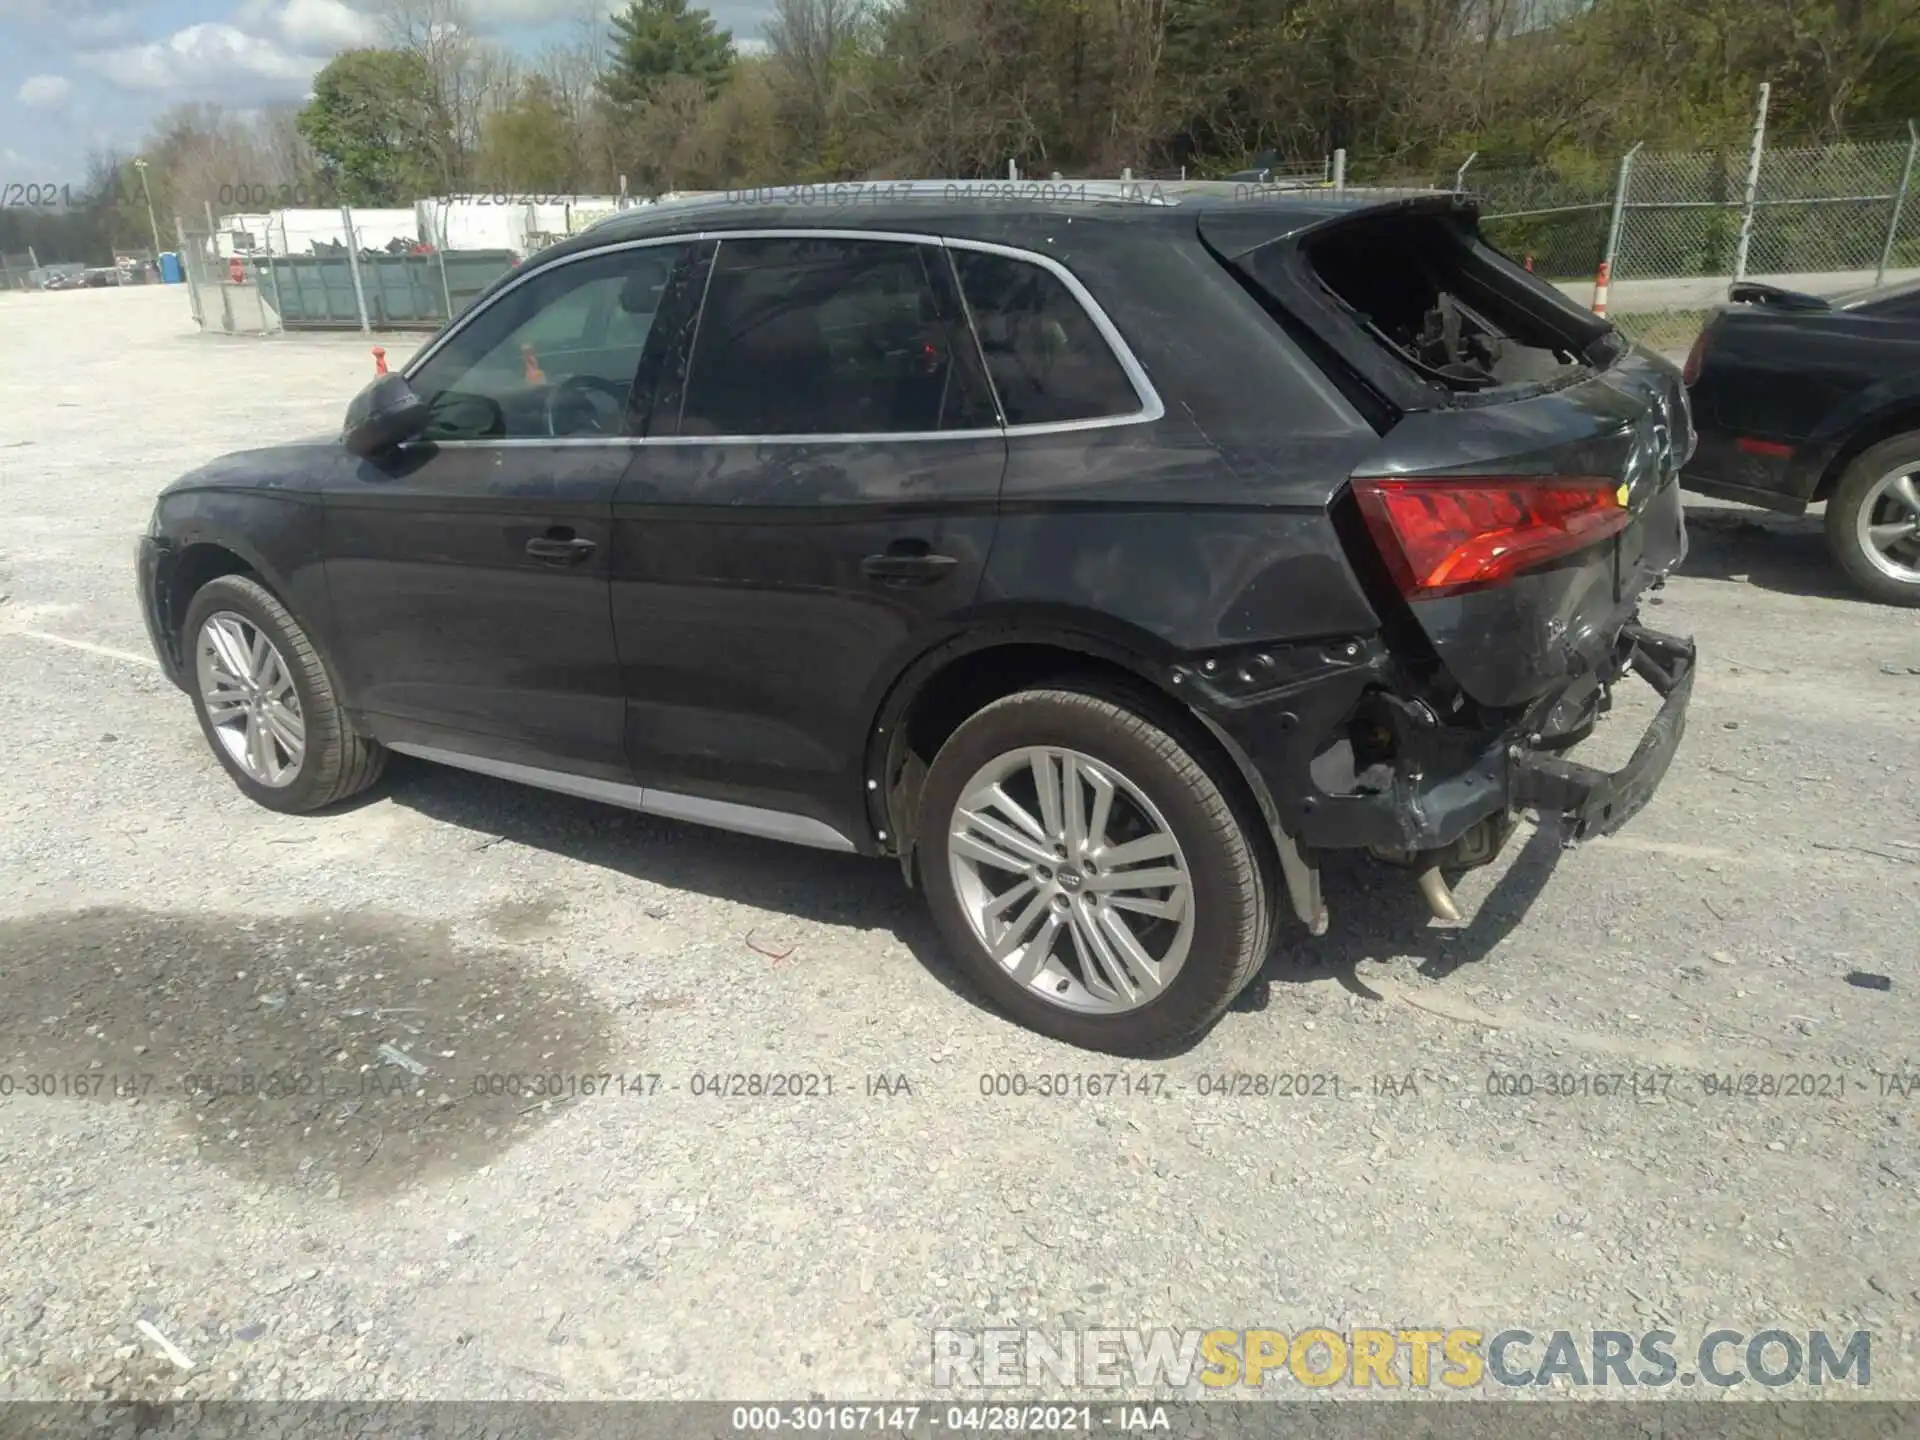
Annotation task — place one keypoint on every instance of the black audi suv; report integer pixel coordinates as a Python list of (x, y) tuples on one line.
[(1104, 555)]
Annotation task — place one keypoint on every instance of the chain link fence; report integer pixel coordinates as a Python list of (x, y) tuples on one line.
[(17, 271), (225, 297), (393, 269), (1824, 219), (1674, 230), (131, 266), (1554, 222), (1670, 231)]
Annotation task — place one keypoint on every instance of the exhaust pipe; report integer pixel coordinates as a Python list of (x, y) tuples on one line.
[(1433, 885)]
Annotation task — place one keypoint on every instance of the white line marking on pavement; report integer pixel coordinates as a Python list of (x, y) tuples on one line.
[(91, 648), (172, 1351)]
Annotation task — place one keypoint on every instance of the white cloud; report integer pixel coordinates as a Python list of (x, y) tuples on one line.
[(326, 25), (205, 58), (44, 92)]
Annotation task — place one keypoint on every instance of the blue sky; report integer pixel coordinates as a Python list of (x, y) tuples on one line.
[(80, 74)]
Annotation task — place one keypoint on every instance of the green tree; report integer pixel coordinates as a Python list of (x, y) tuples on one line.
[(528, 144), (370, 124), (654, 40)]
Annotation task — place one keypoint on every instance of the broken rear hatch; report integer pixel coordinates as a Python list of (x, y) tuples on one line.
[(1525, 490)]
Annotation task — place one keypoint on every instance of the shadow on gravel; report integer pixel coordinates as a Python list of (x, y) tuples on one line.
[(1378, 914), (814, 885), (1784, 553), (343, 1055), (1377, 910)]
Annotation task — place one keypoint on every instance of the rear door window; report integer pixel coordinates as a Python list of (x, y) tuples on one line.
[(1047, 357), (832, 336)]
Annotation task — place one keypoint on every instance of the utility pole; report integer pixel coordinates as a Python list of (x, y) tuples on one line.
[(1755, 152), (153, 225), (1899, 203)]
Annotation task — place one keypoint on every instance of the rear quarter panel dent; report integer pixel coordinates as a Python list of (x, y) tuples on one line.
[(1194, 581)]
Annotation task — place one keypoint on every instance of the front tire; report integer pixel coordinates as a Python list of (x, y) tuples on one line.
[(1873, 521), (1090, 874), (267, 704)]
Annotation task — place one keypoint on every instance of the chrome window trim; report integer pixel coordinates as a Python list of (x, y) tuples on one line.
[(1152, 408)]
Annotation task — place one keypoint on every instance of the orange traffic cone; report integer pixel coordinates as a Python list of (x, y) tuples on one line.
[(1600, 282), (1529, 264), (379, 360), (532, 362)]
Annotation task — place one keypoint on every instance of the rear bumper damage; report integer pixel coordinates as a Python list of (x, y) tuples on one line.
[(1440, 815), (1592, 802), (1446, 797)]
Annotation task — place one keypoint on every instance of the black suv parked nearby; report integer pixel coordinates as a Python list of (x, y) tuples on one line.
[(1102, 557)]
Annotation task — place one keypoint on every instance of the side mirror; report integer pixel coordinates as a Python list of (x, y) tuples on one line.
[(385, 414)]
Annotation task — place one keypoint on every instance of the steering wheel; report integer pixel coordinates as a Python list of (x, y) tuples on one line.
[(585, 404)]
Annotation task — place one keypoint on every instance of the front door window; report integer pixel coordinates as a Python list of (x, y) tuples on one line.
[(551, 358)]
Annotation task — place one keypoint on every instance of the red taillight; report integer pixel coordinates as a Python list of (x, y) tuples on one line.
[(1445, 536), (1696, 357)]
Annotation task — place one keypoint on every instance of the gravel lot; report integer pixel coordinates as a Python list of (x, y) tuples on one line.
[(155, 926)]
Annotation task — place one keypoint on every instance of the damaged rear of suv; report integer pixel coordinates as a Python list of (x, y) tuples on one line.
[(1522, 497), (1434, 493)]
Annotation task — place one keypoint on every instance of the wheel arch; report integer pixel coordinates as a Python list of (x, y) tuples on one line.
[(188, 565), (1893, 420), (202, 554), (945, 685)]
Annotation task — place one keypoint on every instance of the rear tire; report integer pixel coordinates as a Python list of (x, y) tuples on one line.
[(278, 731), (1111, 959), (1869, 501)]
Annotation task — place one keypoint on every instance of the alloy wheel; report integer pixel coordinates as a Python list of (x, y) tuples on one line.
[(1889, 527), (251, 703), (1072, 879)]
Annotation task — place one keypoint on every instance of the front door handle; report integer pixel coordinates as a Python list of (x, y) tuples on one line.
[(562, 548), (907, 562)]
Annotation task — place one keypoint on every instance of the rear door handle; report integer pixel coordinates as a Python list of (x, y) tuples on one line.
[(907, 563), (565, 549)]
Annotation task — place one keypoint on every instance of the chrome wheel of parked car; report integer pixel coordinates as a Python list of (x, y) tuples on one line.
[(1072, 879), (251, 703), (1873, 521), (1889, 526)]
